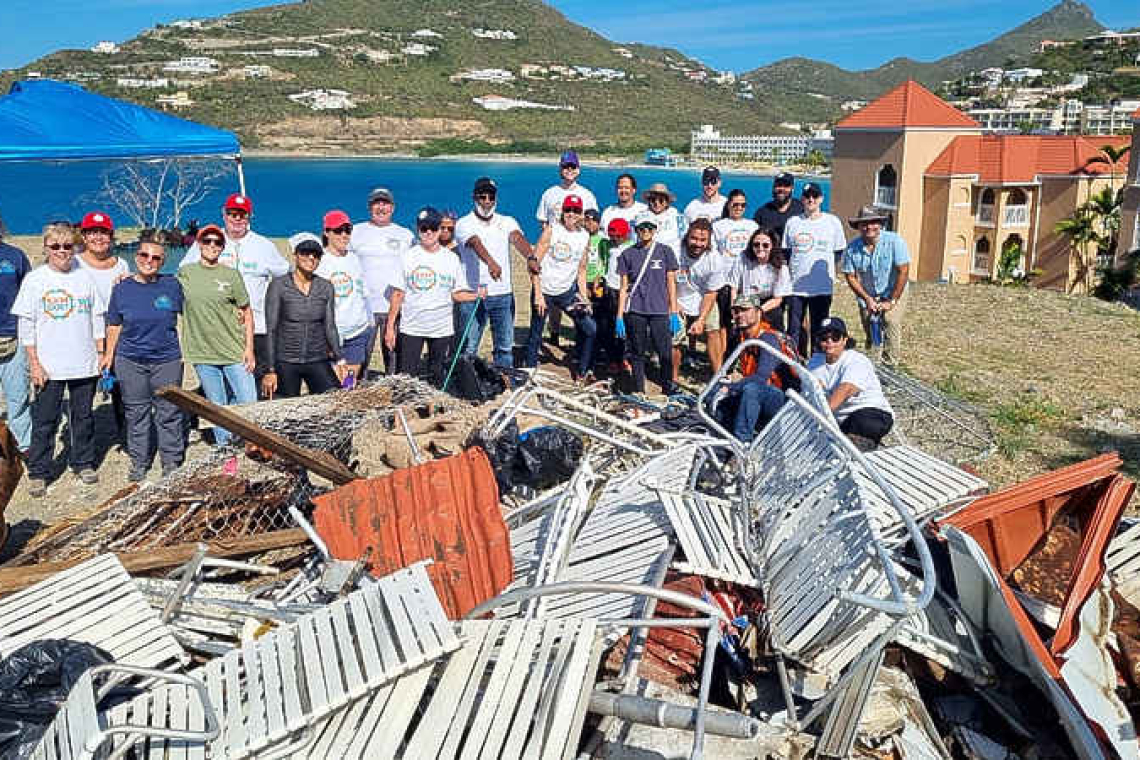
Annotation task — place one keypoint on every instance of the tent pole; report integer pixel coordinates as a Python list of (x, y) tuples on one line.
[(241, 175)]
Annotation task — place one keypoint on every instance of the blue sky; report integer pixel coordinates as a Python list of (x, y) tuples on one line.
[(737, 35)]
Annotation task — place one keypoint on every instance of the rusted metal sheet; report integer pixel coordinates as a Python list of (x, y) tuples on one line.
[(446, 510), (11, 468)]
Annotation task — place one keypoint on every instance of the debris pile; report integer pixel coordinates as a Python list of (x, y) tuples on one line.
[(393, 572)]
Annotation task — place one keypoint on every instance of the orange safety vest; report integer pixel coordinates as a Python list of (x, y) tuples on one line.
[(783, 376)]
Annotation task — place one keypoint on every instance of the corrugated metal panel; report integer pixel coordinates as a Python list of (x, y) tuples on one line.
[(446, 510)]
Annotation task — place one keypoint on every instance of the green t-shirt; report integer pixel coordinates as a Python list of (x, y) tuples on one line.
[(599, 255), (212, 332)]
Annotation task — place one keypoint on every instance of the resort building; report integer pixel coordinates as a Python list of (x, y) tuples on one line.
[(1130, 206), (709, 145), (958, 196), (192, 65), (1071, 117)]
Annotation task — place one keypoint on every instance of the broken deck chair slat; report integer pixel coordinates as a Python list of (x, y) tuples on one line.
[(95, 602)]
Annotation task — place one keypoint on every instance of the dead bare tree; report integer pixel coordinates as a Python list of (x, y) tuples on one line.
[(155, 194)]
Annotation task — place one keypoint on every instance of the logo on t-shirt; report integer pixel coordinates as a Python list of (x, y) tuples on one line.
[(561, 252), (229, 258), (421, 279), (59, 304), (164, 303), (223, 286), (736, 240), (342, 284), (804, 242), (7, 267), (393, 243)]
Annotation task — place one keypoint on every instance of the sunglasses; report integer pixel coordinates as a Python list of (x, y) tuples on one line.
[(761, 244), (571, 211), (149, 256), (737, 205), (568, 166), (236, 214), (213, 241), (428, 228), (96, 231), (447, 227), (59, 246), (831, 337), (307, 252), (344, 229), (484, 196)]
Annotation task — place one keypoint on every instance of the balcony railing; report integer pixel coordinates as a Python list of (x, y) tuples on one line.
[(885, 196), (986, 214), (1015, 216)]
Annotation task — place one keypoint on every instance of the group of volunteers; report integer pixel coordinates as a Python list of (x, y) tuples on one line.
[(637, 278)]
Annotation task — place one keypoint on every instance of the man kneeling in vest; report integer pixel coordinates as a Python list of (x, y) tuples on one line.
[(749, 403)]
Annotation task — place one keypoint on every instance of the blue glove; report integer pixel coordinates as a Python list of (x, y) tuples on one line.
[(619, 328), (674, 323)]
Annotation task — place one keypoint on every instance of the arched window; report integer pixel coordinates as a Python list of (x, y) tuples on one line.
[(886, 187), (983, 260), (1016, 209), (1017, 197), (986, 207)]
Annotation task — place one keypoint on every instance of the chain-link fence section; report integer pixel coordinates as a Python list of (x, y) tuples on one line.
[(228, 494)]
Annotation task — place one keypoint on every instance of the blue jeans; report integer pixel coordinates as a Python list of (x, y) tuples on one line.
[(14, 381), (226, 384), (585, 328), (500, 311), (757, 402)]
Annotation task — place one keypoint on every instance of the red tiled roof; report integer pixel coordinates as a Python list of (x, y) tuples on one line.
[(446, 510), (1022, 158), (908, 105)]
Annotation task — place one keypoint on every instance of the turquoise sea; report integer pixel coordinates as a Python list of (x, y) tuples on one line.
[(292, 194)]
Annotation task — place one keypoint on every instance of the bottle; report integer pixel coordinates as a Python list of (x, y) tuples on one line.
[(349, 380), (876, 323)]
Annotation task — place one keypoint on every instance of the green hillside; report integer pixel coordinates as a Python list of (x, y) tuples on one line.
[(402, 102), (789, 79)]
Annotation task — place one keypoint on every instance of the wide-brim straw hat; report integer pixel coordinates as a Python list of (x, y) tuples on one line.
[(658, 188)]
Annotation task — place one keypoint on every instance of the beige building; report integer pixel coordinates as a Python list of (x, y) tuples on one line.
[(958, 196), (1130, 210)]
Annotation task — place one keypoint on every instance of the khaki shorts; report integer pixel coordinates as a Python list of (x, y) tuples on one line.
[(711, 323)]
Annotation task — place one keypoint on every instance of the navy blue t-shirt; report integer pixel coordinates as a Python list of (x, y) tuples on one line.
[(148, 313), (14, 266)]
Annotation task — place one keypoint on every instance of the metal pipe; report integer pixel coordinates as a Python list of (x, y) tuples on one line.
[(592, 587), (655, 712), (417, 456), (311, 532), (188, 575), (551, 416), (241, 174)]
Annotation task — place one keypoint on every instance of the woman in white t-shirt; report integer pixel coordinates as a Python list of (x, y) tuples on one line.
[(732, 231), (343, 269), (562, 254), (851, 385), (761, 271), (432, 281), (61, 325)]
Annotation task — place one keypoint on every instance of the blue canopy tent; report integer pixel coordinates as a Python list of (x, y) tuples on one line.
[(46, 120)]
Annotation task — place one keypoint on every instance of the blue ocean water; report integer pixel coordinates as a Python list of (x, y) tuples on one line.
[(292, 194)]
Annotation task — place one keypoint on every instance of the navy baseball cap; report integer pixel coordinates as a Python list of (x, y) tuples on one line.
[(429, 217), (569, 158), (485, 185), (710, 175), (784, 179), (811, 189), (832, 324)]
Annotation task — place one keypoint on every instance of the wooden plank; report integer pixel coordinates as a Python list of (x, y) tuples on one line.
[(14, 579), (321, 463)]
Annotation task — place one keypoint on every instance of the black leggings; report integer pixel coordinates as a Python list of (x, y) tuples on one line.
[(318, 376), (869, 423), (409, 354), (650, 332)]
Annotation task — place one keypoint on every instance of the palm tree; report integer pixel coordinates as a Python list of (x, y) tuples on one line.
[(1111, 155), (1081, 230)]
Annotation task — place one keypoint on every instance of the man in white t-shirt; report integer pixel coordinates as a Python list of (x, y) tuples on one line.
[(485, 239), (550, 204), (813, 241), (380, 244), (710, 204), (627, 206), (852, 388), (258, 261), (61, 327)]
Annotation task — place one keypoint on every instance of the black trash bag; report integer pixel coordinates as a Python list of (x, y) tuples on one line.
[(34, 681), (475, 380), (502, 450), (546, 457)]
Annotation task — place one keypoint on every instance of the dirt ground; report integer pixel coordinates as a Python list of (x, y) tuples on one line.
[(1056, 376)]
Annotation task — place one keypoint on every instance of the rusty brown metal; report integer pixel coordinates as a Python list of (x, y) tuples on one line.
[(11, 469), (446, 510)]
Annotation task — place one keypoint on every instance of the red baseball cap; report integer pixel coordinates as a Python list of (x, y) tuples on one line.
[(618, 227), (239, 202), (572, 201), (211, 229), (336, 218), (97, 220)]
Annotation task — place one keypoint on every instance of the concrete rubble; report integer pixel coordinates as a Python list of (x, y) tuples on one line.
[(568, 572)]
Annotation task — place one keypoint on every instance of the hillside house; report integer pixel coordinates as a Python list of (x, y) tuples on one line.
[(1130, 207), (324, 100), (418, 48), (501, 103), (105, 47), (295, 52), (426, 34), (174, 102), (497, 76), (137, 83), (192, 65), (494, 34), (959, 196)]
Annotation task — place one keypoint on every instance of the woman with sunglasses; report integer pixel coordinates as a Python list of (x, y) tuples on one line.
[(142, 345), (761, 271), (61, 327), (217, 329), (562, 255), (432, 280), (300, 317), (851, 385), (340, 266)]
